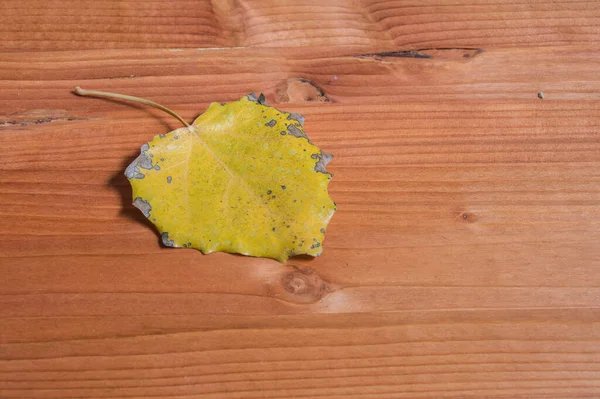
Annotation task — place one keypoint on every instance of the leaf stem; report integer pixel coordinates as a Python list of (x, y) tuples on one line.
[(93, 93)]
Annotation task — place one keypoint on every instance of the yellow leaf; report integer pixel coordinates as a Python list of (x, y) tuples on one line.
[(242, 178)]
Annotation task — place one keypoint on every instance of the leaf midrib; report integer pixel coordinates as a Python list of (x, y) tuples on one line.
[(232, 175)]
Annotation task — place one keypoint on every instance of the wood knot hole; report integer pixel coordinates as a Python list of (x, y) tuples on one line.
[(304, 285), (300, 91), (468, 217)]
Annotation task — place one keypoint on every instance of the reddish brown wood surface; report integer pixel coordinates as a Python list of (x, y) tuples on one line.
[(92, 24), (463, 260)]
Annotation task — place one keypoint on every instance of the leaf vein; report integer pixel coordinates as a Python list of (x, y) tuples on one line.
[(271, 211)]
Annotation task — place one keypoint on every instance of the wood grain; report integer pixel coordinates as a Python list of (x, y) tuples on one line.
[(463, 260), (380, 24)]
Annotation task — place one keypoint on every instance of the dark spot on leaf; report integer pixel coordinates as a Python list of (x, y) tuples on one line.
[(156, 167), (259, 100), (142, 161), (323, 160), (143, 206), (169, 179), (273, 229), (271, 123), (294, 131), (282, 133), (272, 196), (176, 137), (162, 159), (283, 187), (288, 226), (296, 117), (166, 241), (162, 136), (136, 175), (269, 192), (323, 231)]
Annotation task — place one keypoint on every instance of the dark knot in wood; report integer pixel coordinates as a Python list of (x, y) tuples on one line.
[(304, 285)]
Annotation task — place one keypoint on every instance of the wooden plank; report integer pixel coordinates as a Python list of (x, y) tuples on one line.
[(380, 24), (346, 75), (463, 260), (452, 356)]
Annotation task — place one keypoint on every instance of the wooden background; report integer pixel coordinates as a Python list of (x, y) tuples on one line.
[(464, 259)]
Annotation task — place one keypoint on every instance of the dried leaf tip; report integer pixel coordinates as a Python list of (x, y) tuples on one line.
[(103, 94)]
